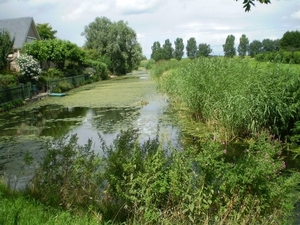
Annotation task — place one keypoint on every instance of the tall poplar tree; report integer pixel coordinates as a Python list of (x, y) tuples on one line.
[(243, 47), (157, 51), (228, 47), (168, 50), (191, 48), (179, 48)]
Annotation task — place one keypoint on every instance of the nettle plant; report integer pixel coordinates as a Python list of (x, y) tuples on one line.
[(29, 67)]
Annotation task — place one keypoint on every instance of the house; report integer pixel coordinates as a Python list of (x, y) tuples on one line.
[(23, 30)]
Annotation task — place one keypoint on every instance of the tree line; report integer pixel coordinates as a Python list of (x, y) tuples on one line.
[(289, 42), (166, 51)]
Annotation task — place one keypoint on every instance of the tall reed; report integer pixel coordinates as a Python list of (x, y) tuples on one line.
[(235, 96)]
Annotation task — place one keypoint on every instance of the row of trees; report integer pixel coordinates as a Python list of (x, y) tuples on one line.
[(245, 48), (289, 42), (167, 52)]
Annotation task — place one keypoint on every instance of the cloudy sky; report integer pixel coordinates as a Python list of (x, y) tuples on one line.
[(209, 21)]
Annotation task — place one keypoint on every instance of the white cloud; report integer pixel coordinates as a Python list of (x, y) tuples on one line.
[(296, 15), (137, 6), (86, 8)]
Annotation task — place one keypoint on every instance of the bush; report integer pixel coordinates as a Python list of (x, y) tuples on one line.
[(64, 86), (8, 80), (142, 183), (69, 175), (29, 67), (53, 73)]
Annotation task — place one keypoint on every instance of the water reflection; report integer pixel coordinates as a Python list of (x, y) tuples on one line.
[(22, 131)]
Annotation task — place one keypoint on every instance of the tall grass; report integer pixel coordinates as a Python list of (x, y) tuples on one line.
[(236, 97), (17, 208)]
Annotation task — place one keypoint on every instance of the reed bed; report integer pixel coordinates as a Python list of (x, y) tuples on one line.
[(233, 95)]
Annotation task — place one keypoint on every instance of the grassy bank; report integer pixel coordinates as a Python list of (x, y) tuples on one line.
[(18, 208), (144, 183)]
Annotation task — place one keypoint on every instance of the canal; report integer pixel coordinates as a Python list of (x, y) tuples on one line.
[(103, 108)]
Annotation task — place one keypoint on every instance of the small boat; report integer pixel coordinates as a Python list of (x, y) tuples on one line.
[(57, 94)]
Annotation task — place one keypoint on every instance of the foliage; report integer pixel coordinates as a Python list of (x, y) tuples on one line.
[(255, 48), (52, 73), (243, 46), (18, 208), (235, 97), (63, 86), (100, 69), (6, 48), (157, 51), (191, 48), (117, 41), (68, 176), (204, 50), (57, 51), (249, 3), (269, 45), (179, 48), (29, 67), (46, 31), (290, 41), (168, 50), (279, 57), (8, 80), (150, 64), (228, 47), (10, 105), (142, 183)]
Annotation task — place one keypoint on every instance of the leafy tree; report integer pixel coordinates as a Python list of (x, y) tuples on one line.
[(115, 40), (55, 50), (157, 52), (191, 48), (270, 45), (290, 41), (179, 48), (243, 46), (249, 3), (168, 50), (204, 50), (6, 48), (45, 31), (228, 47), (255, 48)]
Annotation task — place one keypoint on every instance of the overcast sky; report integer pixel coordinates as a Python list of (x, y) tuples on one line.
[(209, 21)]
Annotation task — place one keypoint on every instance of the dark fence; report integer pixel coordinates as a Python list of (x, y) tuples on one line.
[(20, 92), (75, 81)]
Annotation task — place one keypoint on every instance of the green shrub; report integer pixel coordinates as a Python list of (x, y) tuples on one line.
[(8, 80), (143, 183), (53, 73), (65, 86), (69, 175)]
